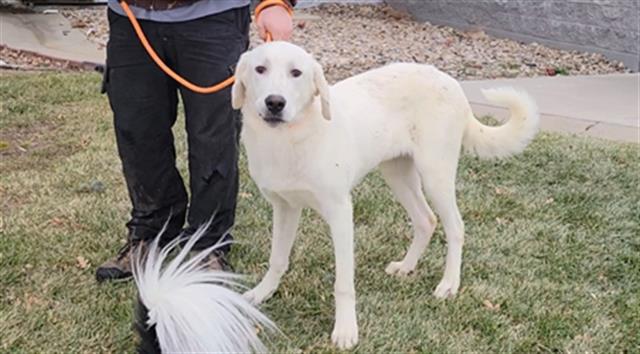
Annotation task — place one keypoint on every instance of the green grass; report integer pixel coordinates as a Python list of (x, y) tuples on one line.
[(553, 238)]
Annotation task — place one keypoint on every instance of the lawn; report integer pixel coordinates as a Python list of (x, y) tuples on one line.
[(551, 261)]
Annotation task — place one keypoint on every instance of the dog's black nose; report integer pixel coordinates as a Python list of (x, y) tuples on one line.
[(275, 103)]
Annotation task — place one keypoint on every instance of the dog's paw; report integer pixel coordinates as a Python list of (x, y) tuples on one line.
[(257, 295), (399, 268), (447, 288), (345, 334)]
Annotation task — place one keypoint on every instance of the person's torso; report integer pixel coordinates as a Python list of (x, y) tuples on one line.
[(169, 11)]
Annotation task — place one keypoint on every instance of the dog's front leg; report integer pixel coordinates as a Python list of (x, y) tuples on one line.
[(285, 224), (340, 219)]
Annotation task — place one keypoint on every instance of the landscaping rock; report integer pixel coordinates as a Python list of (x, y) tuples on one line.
[(349, 39)]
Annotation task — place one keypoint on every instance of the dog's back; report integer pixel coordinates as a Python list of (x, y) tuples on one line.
[(393, 109), (400, 107)]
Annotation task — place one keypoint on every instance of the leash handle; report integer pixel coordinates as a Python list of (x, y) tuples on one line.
[(167, 70)]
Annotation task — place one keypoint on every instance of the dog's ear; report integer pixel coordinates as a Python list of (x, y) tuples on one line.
[(238, 90), (322, 89)]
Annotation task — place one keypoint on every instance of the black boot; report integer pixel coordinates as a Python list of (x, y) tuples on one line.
[(120, 266)]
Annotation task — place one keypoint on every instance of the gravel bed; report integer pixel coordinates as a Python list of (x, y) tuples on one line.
[(92, 21), (348, 39), (352, 39)]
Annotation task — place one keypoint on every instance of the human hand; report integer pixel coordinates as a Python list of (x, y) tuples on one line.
[(276, 21)]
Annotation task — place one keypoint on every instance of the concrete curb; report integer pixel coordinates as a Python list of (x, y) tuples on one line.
[(84, 65)]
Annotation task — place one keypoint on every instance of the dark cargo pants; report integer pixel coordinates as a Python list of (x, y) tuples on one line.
[(144, 102)]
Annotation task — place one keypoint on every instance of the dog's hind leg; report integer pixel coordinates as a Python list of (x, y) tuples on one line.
[(437, 168), (403, 179), (285, 224)]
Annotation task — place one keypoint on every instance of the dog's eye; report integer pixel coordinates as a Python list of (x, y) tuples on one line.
[(260, 69), (296, 72)]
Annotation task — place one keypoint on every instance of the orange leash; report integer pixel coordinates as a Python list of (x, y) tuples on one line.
[(182, 81)]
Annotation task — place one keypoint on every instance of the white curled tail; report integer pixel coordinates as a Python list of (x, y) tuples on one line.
[(510, 138), (194, 309)]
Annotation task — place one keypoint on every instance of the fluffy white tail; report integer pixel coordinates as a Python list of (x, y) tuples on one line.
[(510, 138), (195, 309)]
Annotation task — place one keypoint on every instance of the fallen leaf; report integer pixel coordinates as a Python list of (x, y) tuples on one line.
[(82, 262), (86, 140), (395, 14), (78, 23), (30, 301), (476, 34), (491, 306), (56, 221)]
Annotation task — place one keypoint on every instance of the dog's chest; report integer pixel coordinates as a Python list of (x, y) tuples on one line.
[(299, 172), (284, 180), (276, 175), (276, 165), (298, 198)]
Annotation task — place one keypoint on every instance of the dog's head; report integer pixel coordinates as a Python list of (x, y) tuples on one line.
[(278, 81)]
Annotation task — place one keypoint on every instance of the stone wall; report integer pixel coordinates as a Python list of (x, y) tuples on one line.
[(606, 26)]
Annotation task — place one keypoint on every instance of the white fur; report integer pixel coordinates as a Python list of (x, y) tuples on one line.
[(512, 137), (409, 120), (194, 309)]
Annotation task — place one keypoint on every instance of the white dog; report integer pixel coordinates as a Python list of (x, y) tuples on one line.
[(309, 144)]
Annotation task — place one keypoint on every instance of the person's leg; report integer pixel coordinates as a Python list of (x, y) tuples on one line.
[(144, 101), (207, 49)]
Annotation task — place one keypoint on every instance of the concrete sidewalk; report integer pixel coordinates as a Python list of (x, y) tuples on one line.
[(603, 106), (50, 35)]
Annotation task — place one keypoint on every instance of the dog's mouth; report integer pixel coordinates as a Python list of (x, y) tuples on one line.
[(273, 120)]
